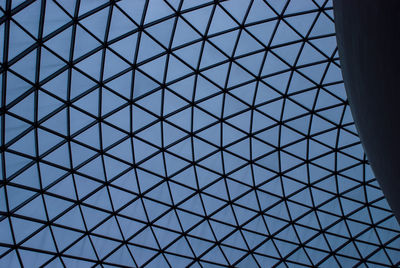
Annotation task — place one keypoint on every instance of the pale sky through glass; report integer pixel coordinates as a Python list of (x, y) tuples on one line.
[(182, 133)]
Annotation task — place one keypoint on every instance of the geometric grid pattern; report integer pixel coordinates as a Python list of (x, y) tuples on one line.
[(182, 133)]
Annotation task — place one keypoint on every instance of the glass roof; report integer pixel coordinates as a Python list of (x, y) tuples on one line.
[(182, 133)]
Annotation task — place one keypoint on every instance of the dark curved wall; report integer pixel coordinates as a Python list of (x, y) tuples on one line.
[(368, 34)]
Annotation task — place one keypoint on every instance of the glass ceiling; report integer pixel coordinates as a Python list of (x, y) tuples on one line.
[(182, 133)]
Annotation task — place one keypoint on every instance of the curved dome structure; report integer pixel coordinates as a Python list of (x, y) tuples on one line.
[(182, 133), (373, 88)]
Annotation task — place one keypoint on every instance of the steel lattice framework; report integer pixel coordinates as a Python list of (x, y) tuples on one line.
[(182, 133)]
